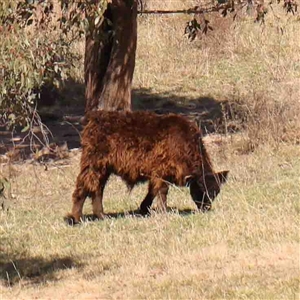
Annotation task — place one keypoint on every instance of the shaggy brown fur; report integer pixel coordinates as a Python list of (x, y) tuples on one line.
[(141, 146)]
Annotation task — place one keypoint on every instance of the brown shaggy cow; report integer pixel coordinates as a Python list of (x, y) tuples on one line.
[(141, 146)]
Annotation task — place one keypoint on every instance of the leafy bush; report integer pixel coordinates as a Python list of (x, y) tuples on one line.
[(35, 53), (27, 64), (36, 50)]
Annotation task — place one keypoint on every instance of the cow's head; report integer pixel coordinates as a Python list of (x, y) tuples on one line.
[(204, 191)]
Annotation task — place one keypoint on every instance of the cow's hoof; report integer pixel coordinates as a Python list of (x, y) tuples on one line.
[(70, 220), (95, 217), (144, 213)]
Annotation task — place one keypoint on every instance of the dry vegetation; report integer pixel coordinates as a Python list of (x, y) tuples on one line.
[(256, 69), (247, 247)]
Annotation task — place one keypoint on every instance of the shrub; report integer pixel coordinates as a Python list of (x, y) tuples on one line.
[(34, 54)]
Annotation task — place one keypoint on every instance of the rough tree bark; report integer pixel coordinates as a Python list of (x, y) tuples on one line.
[(110, 58)]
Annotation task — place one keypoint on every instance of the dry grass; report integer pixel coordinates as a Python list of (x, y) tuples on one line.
[(255, 68), (247, 247)]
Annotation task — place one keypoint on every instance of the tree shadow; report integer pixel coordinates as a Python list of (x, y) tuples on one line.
[(62, 116), (36, 270), (60, 111), (212, 115)]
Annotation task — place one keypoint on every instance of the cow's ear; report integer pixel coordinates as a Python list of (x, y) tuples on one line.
[(222, 176), (188, 180)]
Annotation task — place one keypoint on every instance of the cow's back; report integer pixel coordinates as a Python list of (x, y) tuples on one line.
[(140, 145)]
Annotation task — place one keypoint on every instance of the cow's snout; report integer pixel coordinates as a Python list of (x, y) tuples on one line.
[(203, 206)]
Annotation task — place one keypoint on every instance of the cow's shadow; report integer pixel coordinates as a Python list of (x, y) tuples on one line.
[(137, 214)]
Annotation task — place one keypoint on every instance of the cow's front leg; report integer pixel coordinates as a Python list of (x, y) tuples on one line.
[(147, 202), (155, 187)]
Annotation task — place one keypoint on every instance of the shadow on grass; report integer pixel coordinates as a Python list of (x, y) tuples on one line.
[(137, 214), (36, 270), (211, 114)]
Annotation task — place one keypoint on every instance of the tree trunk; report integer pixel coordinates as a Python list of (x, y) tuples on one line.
[(110, 58)]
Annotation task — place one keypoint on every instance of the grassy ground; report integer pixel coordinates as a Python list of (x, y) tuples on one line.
[(247, 247)]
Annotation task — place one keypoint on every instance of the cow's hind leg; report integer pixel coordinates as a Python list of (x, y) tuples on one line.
[(155, 187), (78, 200), (97, 198), (87, 184)]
